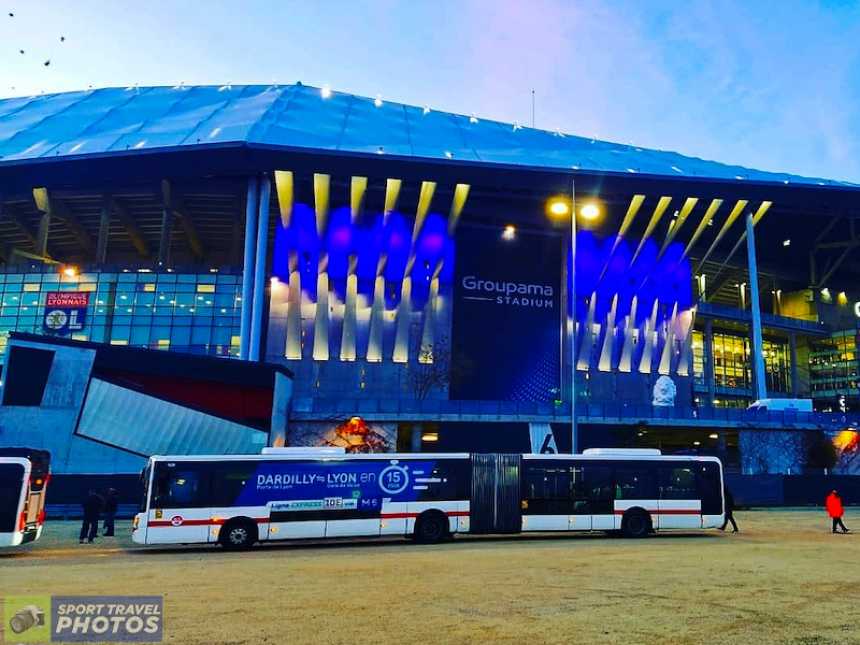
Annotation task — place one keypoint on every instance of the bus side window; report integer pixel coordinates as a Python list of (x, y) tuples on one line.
[(179, 488), (677, 482), (228, 482), (636, 481)]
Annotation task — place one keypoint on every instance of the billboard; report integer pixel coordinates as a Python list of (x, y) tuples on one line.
[(506, 330), (65, 311)]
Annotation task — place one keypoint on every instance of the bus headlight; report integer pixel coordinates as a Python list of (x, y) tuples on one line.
[(135, 522), (24, 619)]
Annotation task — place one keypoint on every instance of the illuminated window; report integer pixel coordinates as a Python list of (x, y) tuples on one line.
[(205, 288), (32, 286)]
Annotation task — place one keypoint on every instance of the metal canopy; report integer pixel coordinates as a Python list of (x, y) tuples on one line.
[(129, 121)]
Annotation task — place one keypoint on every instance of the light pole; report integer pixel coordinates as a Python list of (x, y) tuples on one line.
[(574, 436), (557, 208)]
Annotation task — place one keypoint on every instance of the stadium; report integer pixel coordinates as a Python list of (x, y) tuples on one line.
[(328, 269)]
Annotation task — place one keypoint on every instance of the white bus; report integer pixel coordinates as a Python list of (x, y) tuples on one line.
[(237, 501), (24, 476)]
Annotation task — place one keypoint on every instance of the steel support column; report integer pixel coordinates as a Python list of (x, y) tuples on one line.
[(792, 344), (255, 343), (104, 231), (757, 357), (248, 267)]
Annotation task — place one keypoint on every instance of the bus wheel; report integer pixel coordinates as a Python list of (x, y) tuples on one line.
[(431, 527), (238, 534), (636, 523)]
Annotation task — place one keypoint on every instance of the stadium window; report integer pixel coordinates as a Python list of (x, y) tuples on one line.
[(32, 286), (27, 375), (205, 288)]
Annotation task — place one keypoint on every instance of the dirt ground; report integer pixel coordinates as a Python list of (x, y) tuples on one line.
[(784, 579)]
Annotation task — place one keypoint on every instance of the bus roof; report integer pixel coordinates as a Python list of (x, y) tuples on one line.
[(312, 455), (622, 456)]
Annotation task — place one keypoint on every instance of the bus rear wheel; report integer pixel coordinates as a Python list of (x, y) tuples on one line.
[(238, 534), (636, 523), (431, 527)]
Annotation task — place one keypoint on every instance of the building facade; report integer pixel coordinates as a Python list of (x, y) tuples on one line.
[(449, 281)]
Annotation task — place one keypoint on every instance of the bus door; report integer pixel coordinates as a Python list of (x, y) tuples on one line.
[(592, 497), (495, 503), (679, 506), (179, 511)]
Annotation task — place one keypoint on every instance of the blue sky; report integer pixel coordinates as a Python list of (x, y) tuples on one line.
[(773, 85)]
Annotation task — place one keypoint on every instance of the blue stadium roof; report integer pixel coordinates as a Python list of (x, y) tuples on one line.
[(138, 119)]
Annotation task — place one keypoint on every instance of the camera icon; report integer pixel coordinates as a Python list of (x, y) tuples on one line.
[(25, 618)]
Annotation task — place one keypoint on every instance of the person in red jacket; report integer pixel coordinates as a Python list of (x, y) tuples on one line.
[(833, 504)]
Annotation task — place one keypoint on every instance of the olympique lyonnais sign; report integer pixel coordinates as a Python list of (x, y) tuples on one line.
[(65, 311)]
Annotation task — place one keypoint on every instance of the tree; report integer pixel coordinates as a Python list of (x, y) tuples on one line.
[(431, 372)]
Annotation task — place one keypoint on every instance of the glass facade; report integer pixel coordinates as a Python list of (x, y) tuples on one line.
[(698, 347), (190, 312), (732, 362), (777, 366), (833, 369)]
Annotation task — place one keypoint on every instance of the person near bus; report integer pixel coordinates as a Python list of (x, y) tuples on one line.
[(92, 510), (730, 511), (835, 510), (111, 505)]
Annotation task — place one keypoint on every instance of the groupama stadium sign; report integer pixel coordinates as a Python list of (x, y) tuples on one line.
[(510, 293)]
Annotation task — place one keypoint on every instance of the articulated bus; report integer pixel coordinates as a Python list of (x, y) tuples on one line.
[(285, 493), (24, 476)]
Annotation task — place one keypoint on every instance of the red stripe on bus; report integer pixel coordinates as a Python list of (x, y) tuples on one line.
[(668, 511), (210, 522), (401, 516), (263, 520)]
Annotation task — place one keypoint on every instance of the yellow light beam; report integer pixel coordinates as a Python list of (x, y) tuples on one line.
[(392, 192), (706, 219), (425, 198), (763, 208), (357, 189), (759, 214), (629, 216), (322, 182), (656, 216), (686, 209), (461, 193), (632, 209), (740, 205), (285, 190)]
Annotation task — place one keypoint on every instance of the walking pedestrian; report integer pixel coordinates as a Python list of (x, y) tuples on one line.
[(92, 509), (730, 511), (835, 510), (111, 504)]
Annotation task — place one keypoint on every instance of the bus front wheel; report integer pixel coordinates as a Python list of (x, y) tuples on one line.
[(238, 534), (431, 527), (636, 523)]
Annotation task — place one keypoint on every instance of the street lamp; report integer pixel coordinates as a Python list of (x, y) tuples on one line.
[(558, 207)]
